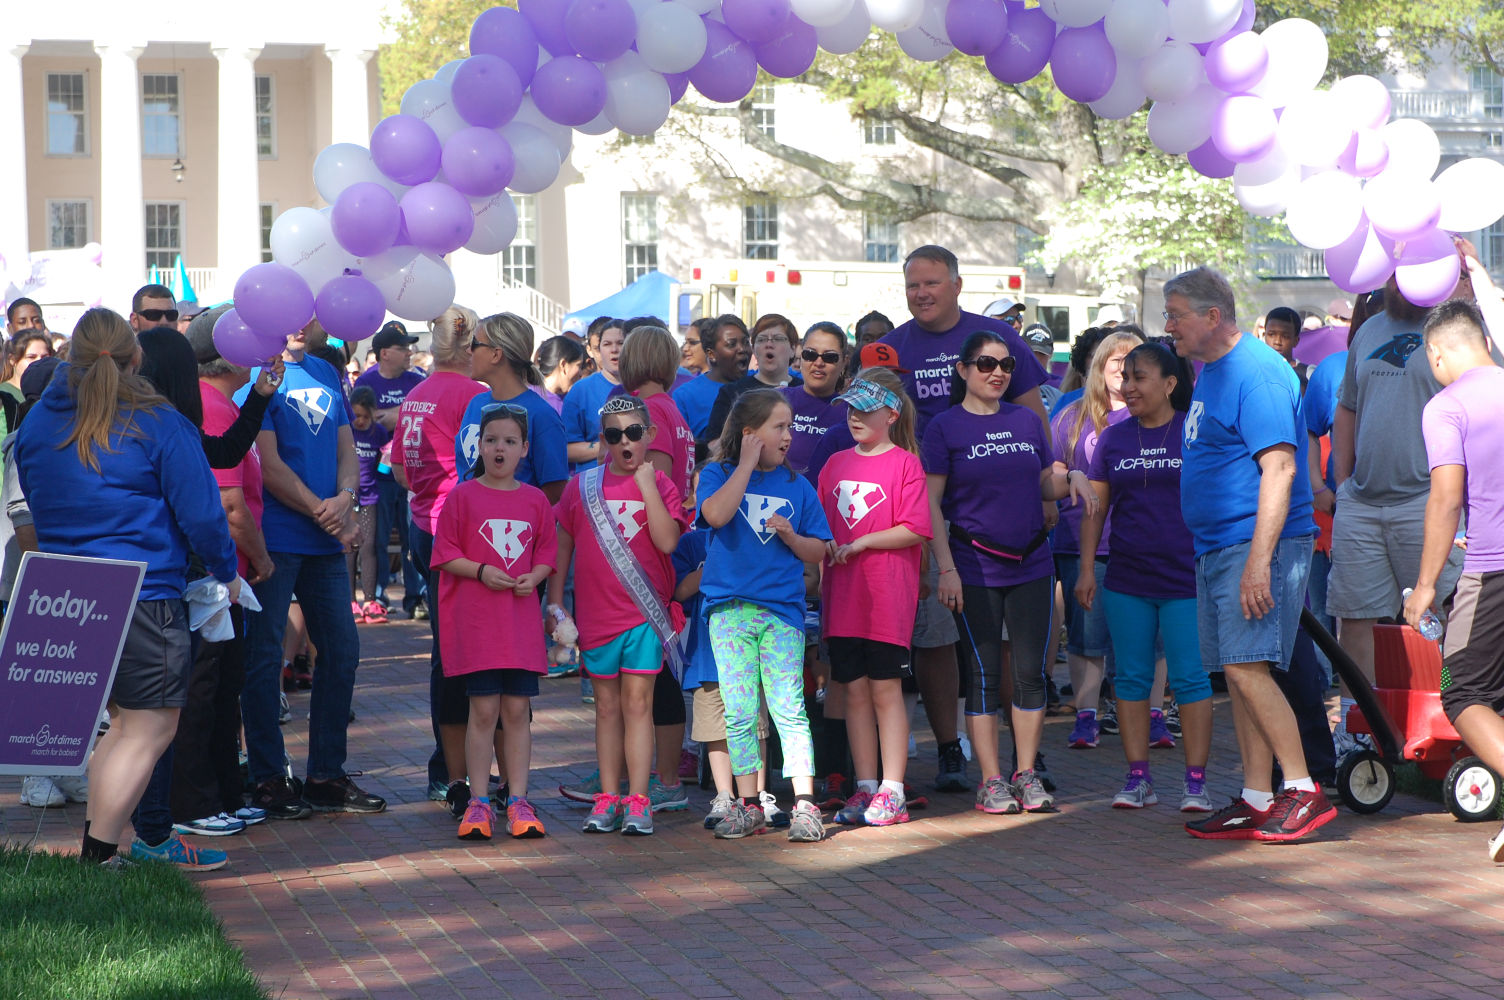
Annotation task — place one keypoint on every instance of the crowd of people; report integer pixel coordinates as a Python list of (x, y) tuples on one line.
[(748, 532)]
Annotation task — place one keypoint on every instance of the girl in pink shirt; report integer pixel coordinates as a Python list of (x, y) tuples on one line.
[(877, 503)]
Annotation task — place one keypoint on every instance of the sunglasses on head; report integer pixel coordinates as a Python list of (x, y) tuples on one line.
[(512, 408), (632, 432), (829, 357), (987, 364), (159, 315)]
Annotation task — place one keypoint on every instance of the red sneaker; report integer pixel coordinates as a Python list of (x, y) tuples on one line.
[(834, 796), (1236, 821), (1296, 815)]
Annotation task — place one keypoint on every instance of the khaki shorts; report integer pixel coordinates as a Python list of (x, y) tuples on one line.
[(709, 724), (934, 625), (1376, 553)]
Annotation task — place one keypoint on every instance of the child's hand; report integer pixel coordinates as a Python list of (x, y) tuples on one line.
[(524, 587), (495, 579), (646, 477), (779, 524), (751, 452), (842, 554)]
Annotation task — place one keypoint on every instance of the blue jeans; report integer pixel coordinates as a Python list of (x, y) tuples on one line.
[(391, 512), (1226, 636), (322, 585)]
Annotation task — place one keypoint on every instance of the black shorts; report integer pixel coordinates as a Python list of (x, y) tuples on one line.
[(156, 660), (852, 659), (1472, 672), (514, 683)]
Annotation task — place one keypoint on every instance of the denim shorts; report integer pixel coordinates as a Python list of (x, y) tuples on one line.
[(511, 682), (1085, 631), (1226, 636)]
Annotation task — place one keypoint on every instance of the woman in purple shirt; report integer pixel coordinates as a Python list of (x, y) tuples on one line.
[(1149, 590), (814, 402)]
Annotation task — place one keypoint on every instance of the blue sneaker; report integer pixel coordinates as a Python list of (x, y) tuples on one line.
[(665, 798), (174, 851), (250, 815)]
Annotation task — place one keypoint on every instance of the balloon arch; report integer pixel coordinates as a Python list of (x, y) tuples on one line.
[(1236, 102)]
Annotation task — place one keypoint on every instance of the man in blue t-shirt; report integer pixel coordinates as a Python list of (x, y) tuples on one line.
[(310, 476), (1247, 502)]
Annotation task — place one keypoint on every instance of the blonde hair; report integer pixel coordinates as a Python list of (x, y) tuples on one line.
[(513, 336), (902, 432), (649, 354), (1095, 403), (107, 394), (450, 335)]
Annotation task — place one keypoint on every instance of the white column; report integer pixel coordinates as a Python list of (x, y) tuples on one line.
[(15, 238), (350, 96), (122, 208), (239, 163)]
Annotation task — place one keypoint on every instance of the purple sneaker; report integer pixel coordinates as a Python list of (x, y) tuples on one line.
[(1159, 732), (1085, 735)]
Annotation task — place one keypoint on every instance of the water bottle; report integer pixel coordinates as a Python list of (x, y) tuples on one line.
[(1430, 626)]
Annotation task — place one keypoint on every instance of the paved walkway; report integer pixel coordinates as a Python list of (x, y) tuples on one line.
[(1089, 902)]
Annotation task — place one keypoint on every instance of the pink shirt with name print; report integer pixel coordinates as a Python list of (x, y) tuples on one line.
[(875, 594)]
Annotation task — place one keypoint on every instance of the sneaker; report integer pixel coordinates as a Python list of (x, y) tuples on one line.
[(1159, 733), (806, 827), (667, 798), (852, 813), (438, 791), (1138, 791), (1496, 846), (996, 796), (1085, 734), (476, 823), (250, 815), (1107, 717), (888, 808), (689, 763), (284, 710), (965, 746), (279, 798), (777, 818), (75, 787), (1195, 799), (341, 795), (1172, 719), (834, 794), (720, 808), (952, 773), (914, 797), (638, 821), (174, 851), (223, 825), (605, 817), (1295, 815), (457, 798), (1235, 821), (1031, 792), (522, 821), (41, 792), (1043, 773), (374, 613), (302, 672), (116, 863), (744, 820), (585, 791), (1345, 743), (565, 669), (587, 690), (420, 611)]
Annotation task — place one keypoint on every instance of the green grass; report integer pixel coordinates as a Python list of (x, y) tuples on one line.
[(70, 931)]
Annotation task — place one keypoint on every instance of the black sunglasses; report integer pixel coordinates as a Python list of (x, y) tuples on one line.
[(986, 364), (159, 315), (632, 432), (476, 345), (829, 357)]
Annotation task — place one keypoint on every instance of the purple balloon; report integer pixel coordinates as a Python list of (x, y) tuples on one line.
[(501, 31), (756, 20), (487, 91), (728, 70), (600, 30), (1362, 262), (569, 90), (1208, 162), (1245, 19), (273, 299), (405, 149), (478, 162), (1235, 64), (241, 345), (1084, 63), (976, 27), (1428, 269), (438, 218), (678, 86), (792, 53), (365, 218), (547, 19), (349, 307), (1025, 49)]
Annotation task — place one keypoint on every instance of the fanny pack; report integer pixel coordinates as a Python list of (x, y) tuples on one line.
[(996, 549)]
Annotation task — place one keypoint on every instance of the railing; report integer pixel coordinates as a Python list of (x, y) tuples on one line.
[(1437, 105), (546, 314), (1273, 263), (205, 281)]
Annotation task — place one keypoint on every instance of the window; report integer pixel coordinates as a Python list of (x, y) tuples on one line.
[(760, 229), (268, 216), (1491, 247), (639, 234), (164, 234), (266, 134), (1492, 86), (879, 132), (67, 116), (519, 261), (762, 109), (1026, 243), (67, 224), (161, 115), (879, 239)]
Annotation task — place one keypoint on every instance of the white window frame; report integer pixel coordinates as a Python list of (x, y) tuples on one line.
[(879, 132), (270, 114), (751, 224), (639, 234), (267, 216), (179, 115), (182, 247), (765, 109), (519, 261), (82, 113), (88, 205), (876, 248)]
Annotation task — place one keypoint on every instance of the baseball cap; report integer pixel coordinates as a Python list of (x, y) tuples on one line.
[(188, 310), (575, 326), (878, 355), (38, 374), (1040, 339), (868, 396), (394, 334), (201, 333), (1001, 307), (1339, 308)]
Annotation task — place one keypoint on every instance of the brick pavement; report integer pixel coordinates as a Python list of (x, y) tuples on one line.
[(1088, 902)]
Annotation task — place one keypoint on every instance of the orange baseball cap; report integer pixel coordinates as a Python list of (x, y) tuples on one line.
[(878, 355)]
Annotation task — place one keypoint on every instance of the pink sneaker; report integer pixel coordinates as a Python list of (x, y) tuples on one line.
[(886, 809), (689, 764)]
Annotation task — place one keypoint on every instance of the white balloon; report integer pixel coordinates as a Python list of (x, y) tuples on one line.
[(495, 223), (895, 15), (416, 284), (1075, 13), (1126, 95), (1137, 28), (1314, 130), (303, 239), (1472, 195), (1297, 60), (928, 41), (670, 37), (637, 99), (849, 34), (1173, 72), (561, 135), (445, 73), (1264, 186), (431, 101), (536, 155), (702, 6), (1413, 147), (345, 163), (1201, 21), (1180, 126), (1325, 209), (1365, 101), (822, 13)]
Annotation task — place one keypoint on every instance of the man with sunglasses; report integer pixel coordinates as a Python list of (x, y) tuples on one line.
[(153, 306)]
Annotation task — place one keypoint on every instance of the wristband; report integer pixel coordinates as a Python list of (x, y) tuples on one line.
[(945, 571), (480, 568)]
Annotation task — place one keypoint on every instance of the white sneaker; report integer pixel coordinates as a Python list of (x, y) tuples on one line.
[(777, 818), (74, 787), (965, 746), (284, 714), (41, 792), (1496, 846)]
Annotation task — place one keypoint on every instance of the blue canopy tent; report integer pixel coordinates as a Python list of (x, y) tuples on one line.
[(653, 294)]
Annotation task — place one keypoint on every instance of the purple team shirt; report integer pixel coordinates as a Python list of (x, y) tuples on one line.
[(1463, 424), (1153, 554), (992, 465), (813, 416), (390, 392), (1067, 537)]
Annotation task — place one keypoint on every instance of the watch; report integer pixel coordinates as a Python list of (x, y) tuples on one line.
[(354, 497)]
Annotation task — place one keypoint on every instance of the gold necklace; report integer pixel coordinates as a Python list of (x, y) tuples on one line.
[(1163, 441)]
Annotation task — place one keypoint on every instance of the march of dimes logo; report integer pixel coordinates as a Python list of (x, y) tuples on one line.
[(855, 500), (757, 509)]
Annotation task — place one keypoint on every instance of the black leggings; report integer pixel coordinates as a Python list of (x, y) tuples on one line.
[(668, 700), (1027, 609)]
